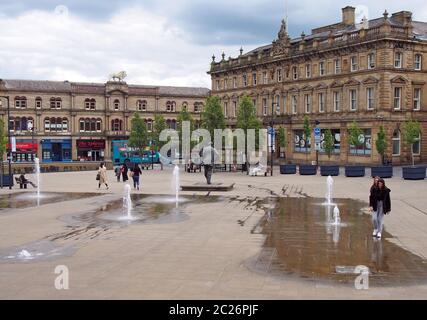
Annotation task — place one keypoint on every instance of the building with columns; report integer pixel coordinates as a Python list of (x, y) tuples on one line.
[(71, 121), (373, 72)]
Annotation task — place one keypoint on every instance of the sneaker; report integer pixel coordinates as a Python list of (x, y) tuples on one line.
[(379, 235), (374, 234)]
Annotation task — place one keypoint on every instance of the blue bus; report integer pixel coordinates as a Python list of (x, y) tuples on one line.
[(122, 153)]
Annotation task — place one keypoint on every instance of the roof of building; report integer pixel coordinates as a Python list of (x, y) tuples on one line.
[(97, 88)]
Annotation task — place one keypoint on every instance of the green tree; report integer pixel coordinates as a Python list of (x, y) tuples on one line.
[(158, 127), (307, 133), (138, 136), (213, 116), (328, 143), (247, 119), (381, 143), (354, 133), (411, 134), (3, 145)]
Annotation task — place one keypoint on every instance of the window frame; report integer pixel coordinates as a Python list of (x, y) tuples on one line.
[(400, 60), (397, 99), (369, 99), (354, 65), (353, 106), (417, 100)]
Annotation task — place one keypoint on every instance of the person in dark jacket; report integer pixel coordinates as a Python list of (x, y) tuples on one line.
[(380, 203), (124, 172), (135, 176)]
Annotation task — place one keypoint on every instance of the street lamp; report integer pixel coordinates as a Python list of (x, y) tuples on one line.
[(273, 111), (8, 138)]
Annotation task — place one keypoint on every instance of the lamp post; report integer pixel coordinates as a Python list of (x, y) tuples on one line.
[(8, 139), (273, 104)]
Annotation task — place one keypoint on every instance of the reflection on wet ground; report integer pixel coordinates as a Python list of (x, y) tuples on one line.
[(301, 241), (29, 199)]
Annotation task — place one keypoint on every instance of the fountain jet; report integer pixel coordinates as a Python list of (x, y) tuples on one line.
[(127, 202)]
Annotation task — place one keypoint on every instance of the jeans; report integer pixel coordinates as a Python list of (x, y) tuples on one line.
[(378, 217), (135, 181), (208, 173)]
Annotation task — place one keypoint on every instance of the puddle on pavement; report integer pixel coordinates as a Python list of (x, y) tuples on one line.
[(300, 240), (22, 200)]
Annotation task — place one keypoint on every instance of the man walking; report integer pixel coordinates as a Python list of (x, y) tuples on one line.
[(209, 155)]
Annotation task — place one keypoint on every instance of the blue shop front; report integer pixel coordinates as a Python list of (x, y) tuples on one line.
[(56, 150)]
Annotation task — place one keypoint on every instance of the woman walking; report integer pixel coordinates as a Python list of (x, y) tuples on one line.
[(102, 172), (124, 172), (135, 176), (380, 204)]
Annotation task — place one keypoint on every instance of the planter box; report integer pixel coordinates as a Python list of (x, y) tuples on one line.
[(307, 170), (382, 172), (355, 171), (288, 169), (414, 173), (329, 171)]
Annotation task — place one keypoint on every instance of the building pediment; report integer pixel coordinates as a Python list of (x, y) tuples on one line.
[(336, 84), (370, 80), (399, 79), (293, 89), (307, 88), (321, 86), (352, 82)]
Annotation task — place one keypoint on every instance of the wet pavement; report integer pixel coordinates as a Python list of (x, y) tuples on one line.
[(301, 241), (20, 200)]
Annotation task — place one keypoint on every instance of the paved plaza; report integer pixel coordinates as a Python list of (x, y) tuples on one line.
[(204, 255)]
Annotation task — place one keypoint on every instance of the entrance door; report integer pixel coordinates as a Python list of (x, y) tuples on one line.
[(56, 154), (96, 156)]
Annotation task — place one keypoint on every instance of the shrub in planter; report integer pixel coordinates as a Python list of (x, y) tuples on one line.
[(307, 170), (355, 171), (328, 146), (382, 171), (329, 171), (414, 173), (354, 132), (288, 168)]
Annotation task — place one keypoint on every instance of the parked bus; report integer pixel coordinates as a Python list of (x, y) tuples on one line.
[(122, 153)]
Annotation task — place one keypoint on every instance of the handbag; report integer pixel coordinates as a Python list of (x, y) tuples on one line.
[(98, 176)]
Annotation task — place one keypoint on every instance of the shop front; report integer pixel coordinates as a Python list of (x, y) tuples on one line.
[(90, 150), (24, 151), (56, 150)]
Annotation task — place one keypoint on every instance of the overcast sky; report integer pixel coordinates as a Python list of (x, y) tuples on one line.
[(158, 42)]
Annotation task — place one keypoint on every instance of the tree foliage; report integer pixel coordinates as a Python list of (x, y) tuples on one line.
[(411, 134), (328, 143), (138, 136), (381, 143)]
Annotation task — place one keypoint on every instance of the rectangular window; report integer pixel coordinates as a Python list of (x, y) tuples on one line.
[(353, 99), (295, 73), (365, 146), (82, 126), (234, 108), (397, 98), (301, 144), (336, 138), (225, 108), (321, 98), (337, 64), (225, 84), (336, 101), (245, 80), (265, 77), (354, 64), (294, 104), (398, 60), (307, 103), (218, 85), (418, 62), (396, 143), (254, 79), (370, 100), (264, 106), (322, 70), (279, 75), (284, 104), (416, 147), (308, 71), (38, 104), (234, 83), (371, 61), (277, 105), (417, 99)]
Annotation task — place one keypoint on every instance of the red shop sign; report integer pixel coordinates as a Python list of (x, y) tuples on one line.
[(24, 146), (91, 144)]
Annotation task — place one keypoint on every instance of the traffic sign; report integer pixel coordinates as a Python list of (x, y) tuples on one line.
[(317, 132)]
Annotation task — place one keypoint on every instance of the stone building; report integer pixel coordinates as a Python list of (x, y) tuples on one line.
[(373, 72), (69, 121)]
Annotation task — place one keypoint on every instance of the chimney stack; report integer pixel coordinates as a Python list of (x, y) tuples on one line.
[(349, 15)]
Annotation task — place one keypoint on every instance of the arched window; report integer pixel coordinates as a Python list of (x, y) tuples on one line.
[(169, 106), (87, 124), (116, 104), (55, 103), (396, 142), (20, 102), (64, 125), (38, 103), (141, 105), (185, 106), (116, 125), (98, 125), (198, 106), (149, 123), (82, 125), (416, 147), (90, 104), (47, 125)]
